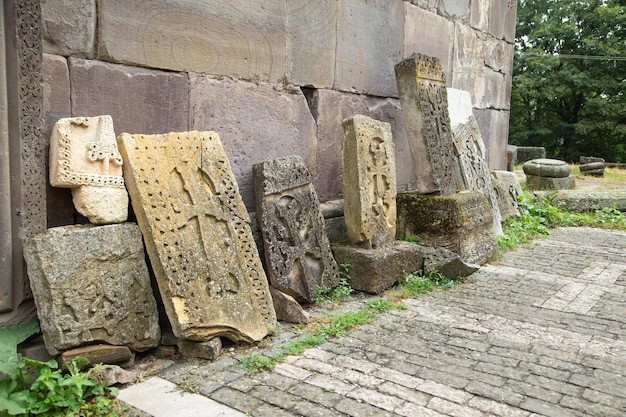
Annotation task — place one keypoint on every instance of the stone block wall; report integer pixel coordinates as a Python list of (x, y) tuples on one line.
[(272, 77)]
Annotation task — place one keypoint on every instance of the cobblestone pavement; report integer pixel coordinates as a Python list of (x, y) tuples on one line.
[(542, 332)]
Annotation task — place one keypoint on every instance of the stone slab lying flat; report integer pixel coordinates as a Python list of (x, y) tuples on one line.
[(91, 284), (198, 237), (584, 200), (162, 398)]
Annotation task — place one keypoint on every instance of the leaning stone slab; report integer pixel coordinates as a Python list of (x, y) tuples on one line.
[(369, 182), (461, 223), (470, 149), (424, 100), (85, 158), (288, 309), (374, 271), (91, 284), (197, 235), (508, 189), (297, 249)]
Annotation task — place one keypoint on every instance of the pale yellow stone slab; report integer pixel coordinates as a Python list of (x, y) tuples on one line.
[(197, 234)]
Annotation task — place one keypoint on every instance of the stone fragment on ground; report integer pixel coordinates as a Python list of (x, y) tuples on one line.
[(287, 308), (91, 284), (106, 354), (507, 189), (84, 157), (209, 350), (296, 247), (198, 237)]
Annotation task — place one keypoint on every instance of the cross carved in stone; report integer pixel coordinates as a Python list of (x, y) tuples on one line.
[(379, 172), (106, 152)]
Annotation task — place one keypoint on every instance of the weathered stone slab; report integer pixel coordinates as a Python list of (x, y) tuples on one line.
[(257, 122), (237, 39), (104, 88), (502, 19), (587, 200), (311, 41), (589, 159), (424, 100), (454, 8), (369, 182), (370, 42), (84, 157), (91, 284), (374, 271), (461, 223), (297, 250), (288, 309), (209, 350), (437, 41), (507, 188), (330, 108), (479, 14), (69, 27), (470, 149), (547, 183), (526, 153), (468, 63), (197, 235), (446, 263), (95, 354)]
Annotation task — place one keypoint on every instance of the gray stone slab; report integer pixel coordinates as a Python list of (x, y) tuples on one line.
[(311, 42), (140, 100), (197, 235), (369, 182), (468, 68), (297, 251), (424, 101), (526, 153), (370, 39), (586, 200), (502, 19), (244, 40), (454, 8), (69, 27), (91, 284), (507, 189), (545, 183), (257, 122)]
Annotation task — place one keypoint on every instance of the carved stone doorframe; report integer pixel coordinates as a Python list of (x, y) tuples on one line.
[(22, 151)]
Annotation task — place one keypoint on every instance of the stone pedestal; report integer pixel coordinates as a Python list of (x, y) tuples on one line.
[(91, 284), (548, 174), (544, 183), (198, 237), (461, 223)]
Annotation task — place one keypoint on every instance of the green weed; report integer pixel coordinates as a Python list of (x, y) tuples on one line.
[(340, 292)]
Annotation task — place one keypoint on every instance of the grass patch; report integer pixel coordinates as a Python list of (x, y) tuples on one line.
[(540, 213), (338, 293), (416, 284)]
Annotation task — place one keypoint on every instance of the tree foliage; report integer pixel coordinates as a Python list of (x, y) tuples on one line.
[(569, 79)]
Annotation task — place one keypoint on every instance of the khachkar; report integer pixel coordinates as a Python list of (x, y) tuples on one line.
[(369, 182), (297, 250), (423, 97), (376, 260), (85, 158), (91, 284), (197, 234), (470, 149)]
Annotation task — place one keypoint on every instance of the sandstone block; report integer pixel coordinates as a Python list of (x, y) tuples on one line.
[(311, 41), (552, 168), (479, 14), (430, 5), (461, 223), (370, 41), (499, 55), (423, 95), (69, 27), (507, 188), (297, 251), (330, 108), (369, 182), (454, 8), (526, 153), (256, 121), (374, 271), (437, 41), (468, 68), (547, 183), (288, 309), (237, 39), (494, 128), (91, 284), (470, 149), (191, 214), (502, 19), (209, 350), (84, 157), (103, 88), (106, 354)]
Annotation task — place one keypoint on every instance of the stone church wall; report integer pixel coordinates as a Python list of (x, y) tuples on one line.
[(272, 77)]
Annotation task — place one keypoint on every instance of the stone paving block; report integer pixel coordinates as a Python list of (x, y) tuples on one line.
[(380, 400), (244, 40), (356, 408), (453, 409), (69, 27), (410, 410), (370, 39), (91, 284), (188, 206), (404, 393), (278, 119), (318, 395), (311, 41), (103, 88)]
